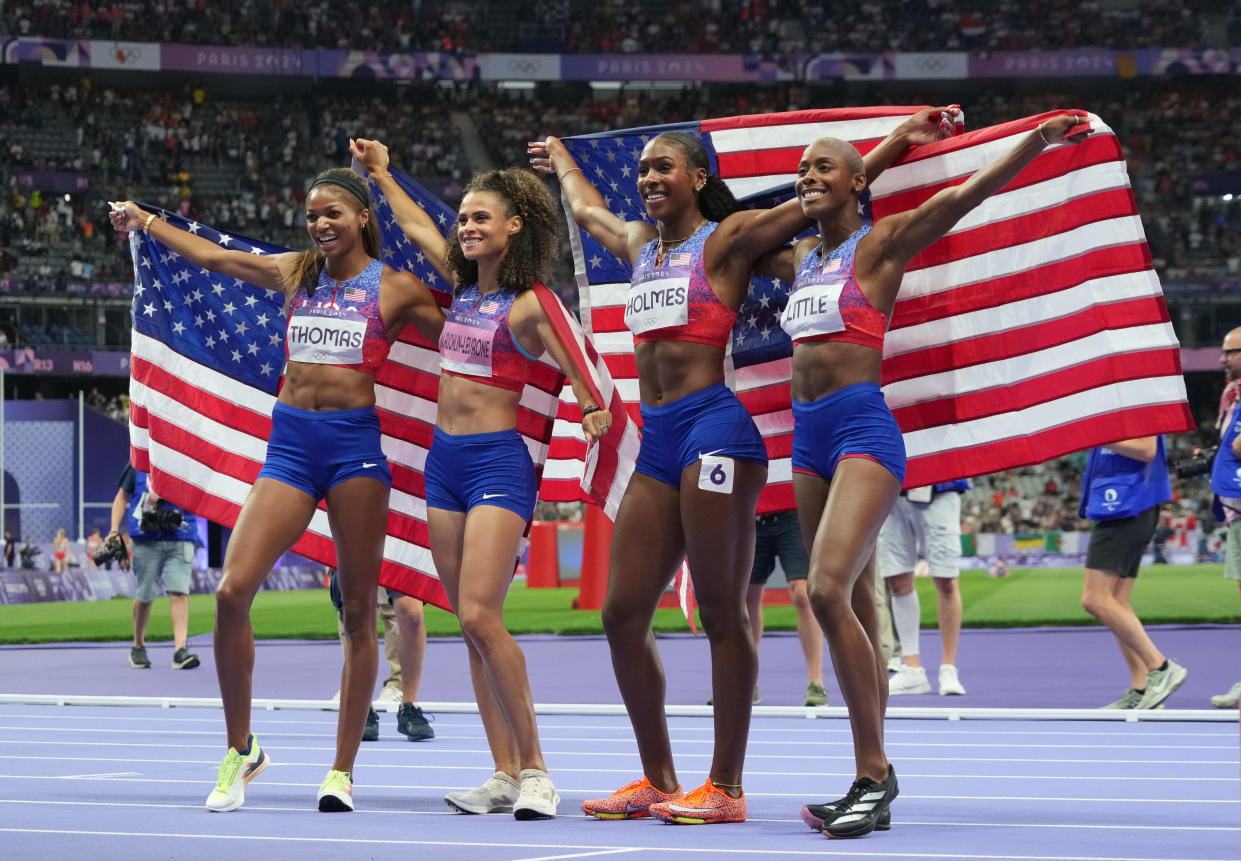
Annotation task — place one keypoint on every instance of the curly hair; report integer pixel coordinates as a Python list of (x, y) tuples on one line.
[(305, 271), (530, 249), (715, 200)]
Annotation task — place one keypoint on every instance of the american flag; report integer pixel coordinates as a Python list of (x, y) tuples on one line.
[(207, 358), (1037, 327)]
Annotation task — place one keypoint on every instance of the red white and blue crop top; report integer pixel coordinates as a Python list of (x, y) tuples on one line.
[(674, 301), (826, 303), (340, 324), (478, 344)]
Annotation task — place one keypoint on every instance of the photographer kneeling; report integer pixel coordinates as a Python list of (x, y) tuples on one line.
[(164, 539)]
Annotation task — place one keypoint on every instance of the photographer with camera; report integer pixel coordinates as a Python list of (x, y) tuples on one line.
[(164, 539), (1122, 488), (1226, 477)]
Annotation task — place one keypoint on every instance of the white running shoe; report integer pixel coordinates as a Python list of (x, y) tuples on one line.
[(389, 696), (538, 798), (497, 795), (1228, 700), (949, 681), (236, 770), (909, 680)]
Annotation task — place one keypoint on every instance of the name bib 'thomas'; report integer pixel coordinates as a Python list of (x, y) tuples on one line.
[(326, 336)]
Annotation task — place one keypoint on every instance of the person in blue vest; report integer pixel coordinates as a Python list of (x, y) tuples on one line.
[(1122, 488), (1226, 477), (164, 540), (925, 522)]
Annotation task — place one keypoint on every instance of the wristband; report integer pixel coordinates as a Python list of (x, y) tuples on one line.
[(593, 408), (146, 228)]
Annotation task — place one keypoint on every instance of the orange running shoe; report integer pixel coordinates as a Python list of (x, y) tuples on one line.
[(706, 805), (631, 801)]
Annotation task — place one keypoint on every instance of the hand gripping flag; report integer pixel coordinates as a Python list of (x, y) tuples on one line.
[(1035, 328), (207, 358)]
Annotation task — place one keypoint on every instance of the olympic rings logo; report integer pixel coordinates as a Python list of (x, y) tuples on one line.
[(525, 64), (931, 63)]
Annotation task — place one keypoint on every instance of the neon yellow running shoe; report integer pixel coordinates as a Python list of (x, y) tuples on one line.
[(336, 793), (236, 770)]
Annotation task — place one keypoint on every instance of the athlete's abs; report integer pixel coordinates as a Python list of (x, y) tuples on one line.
[(668, 370), (326, 387), (823, 367), (467, 406)]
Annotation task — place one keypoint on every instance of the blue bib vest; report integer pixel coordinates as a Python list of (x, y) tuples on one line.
[(1115, 486), (1226, 471), (133, 517)]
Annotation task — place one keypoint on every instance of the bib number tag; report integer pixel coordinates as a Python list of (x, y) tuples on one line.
[(814, 309), (660, 303), (465, 345), (716, 474), (326, 336), (918, 494)]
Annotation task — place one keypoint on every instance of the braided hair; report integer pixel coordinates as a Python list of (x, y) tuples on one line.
[(530, 249), (715, 200)]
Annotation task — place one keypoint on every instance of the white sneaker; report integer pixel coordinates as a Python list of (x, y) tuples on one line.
[(895, 663), (949, 682), (909, 680), (236, 770), (497, 795), (1228, 700), (389, 696), (538, 798)]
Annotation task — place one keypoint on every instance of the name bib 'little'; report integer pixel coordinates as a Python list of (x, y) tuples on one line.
[(814, 309)]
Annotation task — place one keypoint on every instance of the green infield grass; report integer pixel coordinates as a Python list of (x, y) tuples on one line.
[(1027, 597)]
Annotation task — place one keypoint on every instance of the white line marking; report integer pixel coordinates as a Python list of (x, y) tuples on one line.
[(581, 855), (595, 792), (951, 824), (682, 850), (102, 775)]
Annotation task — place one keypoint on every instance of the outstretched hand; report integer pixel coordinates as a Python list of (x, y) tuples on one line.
[(372, 155), (1069, 128), (930, 125), (126, 216), (540, 155)]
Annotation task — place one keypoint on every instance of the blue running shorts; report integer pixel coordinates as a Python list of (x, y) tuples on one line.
[(468, 470), (316, 450), (710, 421), (851, 422)]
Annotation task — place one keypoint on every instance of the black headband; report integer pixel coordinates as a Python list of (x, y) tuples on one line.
[(351, 184)]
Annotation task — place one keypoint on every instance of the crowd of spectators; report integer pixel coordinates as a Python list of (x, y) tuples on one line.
[(769, 27), (230, 163)]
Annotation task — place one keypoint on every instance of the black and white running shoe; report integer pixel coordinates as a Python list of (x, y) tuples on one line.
[(859, 812), (816, 815)]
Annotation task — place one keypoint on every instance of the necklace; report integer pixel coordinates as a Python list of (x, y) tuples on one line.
[(666, 245)]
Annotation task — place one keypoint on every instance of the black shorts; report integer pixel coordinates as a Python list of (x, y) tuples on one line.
[(778, 535), (1116, 546)]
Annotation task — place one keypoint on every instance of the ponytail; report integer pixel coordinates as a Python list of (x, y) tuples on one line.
[(715, 200)]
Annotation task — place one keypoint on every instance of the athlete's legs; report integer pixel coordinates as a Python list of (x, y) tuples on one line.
[(488, 558), (358, 516), (719, 544), (840, 521), (647, 548), (273, 517), (447, 530)]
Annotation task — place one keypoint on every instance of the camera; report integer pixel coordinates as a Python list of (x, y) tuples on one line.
[(160, 519), (114, 549), (1199, 464)]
